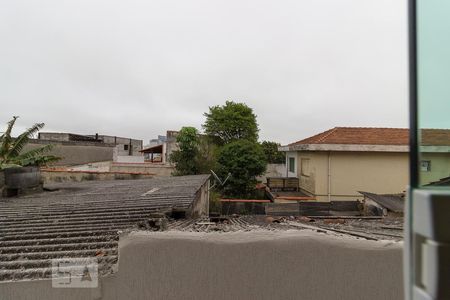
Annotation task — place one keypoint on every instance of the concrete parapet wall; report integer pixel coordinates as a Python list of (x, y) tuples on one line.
[(160, 170), (241, 265), (106, 170), (52, 176), (103, 166), (129, 159)]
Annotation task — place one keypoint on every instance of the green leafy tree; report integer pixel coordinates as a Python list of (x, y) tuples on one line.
[(11, 154), (230, 122), (273, 156), (207, 155), (244, 160), (186, 158)]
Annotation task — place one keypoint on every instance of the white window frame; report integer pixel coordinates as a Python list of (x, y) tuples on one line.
[(289, 156)]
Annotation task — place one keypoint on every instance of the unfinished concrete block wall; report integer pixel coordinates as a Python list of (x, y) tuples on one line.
[(170, 146), (123, 145), (273, 170), (75, 153), (54, 136)]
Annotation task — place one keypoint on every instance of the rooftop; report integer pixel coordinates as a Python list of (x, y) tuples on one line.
[(82, 220), (393, 202), (359, 136), (153, 149), (397, 139)]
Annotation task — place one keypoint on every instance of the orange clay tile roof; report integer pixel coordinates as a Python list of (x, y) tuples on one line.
[(376, 136), (435, 137)]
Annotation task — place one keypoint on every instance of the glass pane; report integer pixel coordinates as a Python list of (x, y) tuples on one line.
[(292, 164), (433, 67)]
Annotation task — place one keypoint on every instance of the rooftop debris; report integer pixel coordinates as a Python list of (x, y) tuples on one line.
[(370, 229), (367, 228), (392, 202)]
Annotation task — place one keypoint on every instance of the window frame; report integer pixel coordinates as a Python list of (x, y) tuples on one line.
[(291, 163), (428, 167)]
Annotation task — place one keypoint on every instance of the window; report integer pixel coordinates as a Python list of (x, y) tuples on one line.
[(125, 147), (428, 214), (433, 91), (425, 166), (305, 166), (292, 164)]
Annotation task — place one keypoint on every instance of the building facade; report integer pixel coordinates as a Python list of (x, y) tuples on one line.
[(81, 149), (336, 164), (159, 150)]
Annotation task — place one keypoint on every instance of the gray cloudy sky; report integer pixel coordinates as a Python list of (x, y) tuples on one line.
[(137, 68)]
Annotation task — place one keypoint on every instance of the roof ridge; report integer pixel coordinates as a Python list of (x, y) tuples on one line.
[(358, 135), (376, 136), (313, 136), (369, 127), (327, 134)]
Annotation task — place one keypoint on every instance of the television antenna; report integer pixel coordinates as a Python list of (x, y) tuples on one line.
[(222, 183)]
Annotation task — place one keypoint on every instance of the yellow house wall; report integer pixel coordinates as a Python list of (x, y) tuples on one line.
[(377, 172), (318, 165), (440, 167)]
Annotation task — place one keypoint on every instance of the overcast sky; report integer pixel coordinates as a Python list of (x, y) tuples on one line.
[(138, 68)]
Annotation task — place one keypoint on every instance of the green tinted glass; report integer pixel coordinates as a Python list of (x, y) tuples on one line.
[(433, 83), (291, 164)]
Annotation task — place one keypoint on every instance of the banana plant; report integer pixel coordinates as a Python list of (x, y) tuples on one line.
[(11, 154)]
